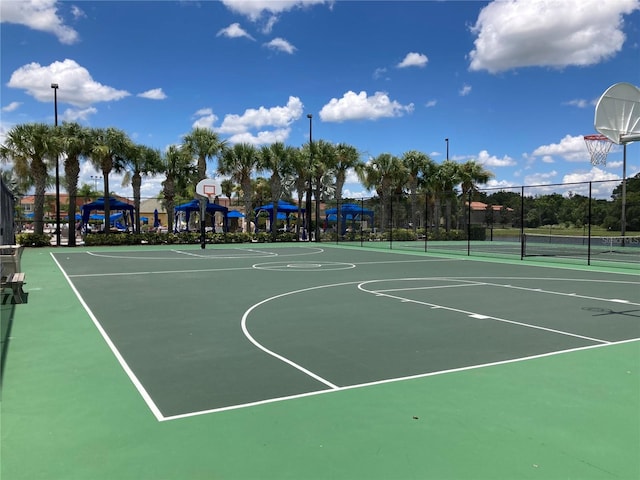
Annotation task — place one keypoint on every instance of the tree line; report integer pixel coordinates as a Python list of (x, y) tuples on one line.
[(317, 168), (277, 172)]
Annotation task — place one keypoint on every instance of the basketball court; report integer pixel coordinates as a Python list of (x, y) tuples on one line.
[(308, 360), (298, 350)]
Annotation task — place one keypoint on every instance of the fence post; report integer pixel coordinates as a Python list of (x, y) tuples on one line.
[(522, 222)]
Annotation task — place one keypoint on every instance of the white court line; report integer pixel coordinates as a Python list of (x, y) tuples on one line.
[(143, 392), (394, 380), (475, 314), (181, 254), (433, 287), (158, 272), (552, 292), (332, 387)]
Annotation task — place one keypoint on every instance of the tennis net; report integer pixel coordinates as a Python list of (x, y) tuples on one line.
[(537, 244)]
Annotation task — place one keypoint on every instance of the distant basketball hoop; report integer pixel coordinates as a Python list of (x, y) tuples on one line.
[(598, 146)]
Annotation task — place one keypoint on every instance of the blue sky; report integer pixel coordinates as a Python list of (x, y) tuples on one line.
[(511, 84)]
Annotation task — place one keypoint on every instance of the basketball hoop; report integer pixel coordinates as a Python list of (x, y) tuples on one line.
[(598, 146)]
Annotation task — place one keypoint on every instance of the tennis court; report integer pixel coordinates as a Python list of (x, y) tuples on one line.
[(317, 361)]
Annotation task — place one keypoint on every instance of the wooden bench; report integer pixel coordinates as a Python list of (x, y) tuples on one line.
[(15, 281)]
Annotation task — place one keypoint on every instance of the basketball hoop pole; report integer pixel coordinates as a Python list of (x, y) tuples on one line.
[(203, 212), (623, 220)]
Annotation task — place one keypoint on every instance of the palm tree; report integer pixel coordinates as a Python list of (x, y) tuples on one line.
[(347, 157), (109, 148), (13, 183), (240, 162), (427, 181), (471, 174), (277, 159), (228, 187), (140, 160), (324, 161), (74, 143), (86, 192), (179, 171), (204, 144), (416, 164), (301, 173), (386, 174), (31, 147), (446, 178)]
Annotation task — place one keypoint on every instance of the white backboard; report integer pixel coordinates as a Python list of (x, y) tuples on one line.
[(209, 188), (618, 113)]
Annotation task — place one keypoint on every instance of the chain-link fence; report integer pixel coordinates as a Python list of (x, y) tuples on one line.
[(7, 209), (578, 222)]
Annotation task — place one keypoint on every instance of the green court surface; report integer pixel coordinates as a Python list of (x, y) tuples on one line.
[(313, 361)]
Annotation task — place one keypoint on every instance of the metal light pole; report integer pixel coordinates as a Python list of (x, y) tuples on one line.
[(95, 179), (55, 106), (308, 207), (447, 140)]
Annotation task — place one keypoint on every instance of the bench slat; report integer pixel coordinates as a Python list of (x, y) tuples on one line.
[(15, 282)]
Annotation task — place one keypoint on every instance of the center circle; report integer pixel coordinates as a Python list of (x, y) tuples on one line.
[(303, 266)]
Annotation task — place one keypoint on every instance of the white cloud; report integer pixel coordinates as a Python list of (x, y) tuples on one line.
[(579, 102), (205, 118), (262, 117), (550, 33), (431, 103), (254, 9), (492, 161), (75, 84), (465, 90), (203, 111), (541, 178), (379, 73), (74, 115), (41, 15), (413, 59), (234, 31), (265, 137), (604, 182), (359, 106), (593, 175), (281, 45), (572, 149), (77, 12), (493, 184), (153, 94), (13, 106)]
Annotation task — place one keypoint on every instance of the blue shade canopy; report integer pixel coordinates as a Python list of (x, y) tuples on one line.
[(99, 204), (282, 207), (112, 218), (348, 211), (235, 214), (194, 206)]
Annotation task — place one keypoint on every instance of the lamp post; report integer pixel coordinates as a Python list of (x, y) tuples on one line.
[(447, 140), (308, 207), (95, 179), (55, 106)]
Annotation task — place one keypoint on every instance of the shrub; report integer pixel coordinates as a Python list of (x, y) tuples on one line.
[(34, 239)]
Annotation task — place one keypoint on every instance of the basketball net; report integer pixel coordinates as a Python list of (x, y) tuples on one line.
[(598, 146)]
